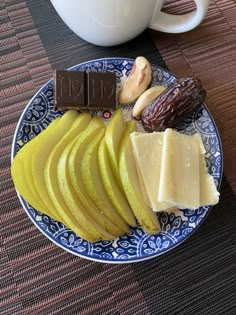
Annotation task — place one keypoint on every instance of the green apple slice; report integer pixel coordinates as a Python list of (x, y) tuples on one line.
[(112, 189), (89, 217), (93, 183), (129, 176), (113, 135), (41, 153)]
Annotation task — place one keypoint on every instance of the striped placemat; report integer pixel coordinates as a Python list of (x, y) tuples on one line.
[(37, 277)]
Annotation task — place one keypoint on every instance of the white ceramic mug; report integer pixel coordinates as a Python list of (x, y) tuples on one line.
[(113, 22)]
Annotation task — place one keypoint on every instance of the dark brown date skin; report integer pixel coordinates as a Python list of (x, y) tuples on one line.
[(173, 105)]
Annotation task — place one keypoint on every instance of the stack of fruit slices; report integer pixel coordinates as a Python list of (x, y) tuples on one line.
[(83, 174)]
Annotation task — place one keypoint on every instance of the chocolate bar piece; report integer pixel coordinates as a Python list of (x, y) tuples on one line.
[(81, 90), (70, 87), (101, 90)]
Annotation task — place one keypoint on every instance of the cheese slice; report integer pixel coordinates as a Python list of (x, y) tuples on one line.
[(208, 191), (180, 172), (172, 170), (142, 186), (147, 150)]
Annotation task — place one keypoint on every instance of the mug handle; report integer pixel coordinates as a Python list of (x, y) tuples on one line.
[(171, 23)]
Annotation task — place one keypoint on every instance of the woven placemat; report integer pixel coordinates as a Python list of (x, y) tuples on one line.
[(37, 277)]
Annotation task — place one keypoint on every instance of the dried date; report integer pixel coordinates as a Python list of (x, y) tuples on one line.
[(173, 105)]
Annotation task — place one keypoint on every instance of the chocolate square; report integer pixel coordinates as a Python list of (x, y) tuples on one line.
[(101, 90), (70, 89)]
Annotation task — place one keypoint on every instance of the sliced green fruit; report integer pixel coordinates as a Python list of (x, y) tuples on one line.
[(27, 165), (50, 172), (21, 184), (113, 135), (93, 183), (23, 158), (89, 218), (74, 162), (129, 176), (22, 175), (112, 189), (50, 176), (41, 153)]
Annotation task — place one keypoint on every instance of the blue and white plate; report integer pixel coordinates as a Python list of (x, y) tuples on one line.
[(136, 245)]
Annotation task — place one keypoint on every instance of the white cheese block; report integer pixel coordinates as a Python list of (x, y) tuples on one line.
[(147, 150), (180, 172), (208, 191), (142, 186)]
